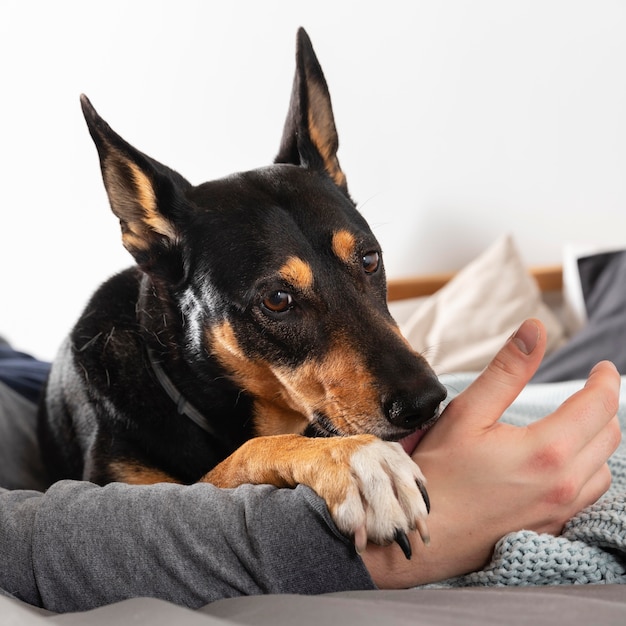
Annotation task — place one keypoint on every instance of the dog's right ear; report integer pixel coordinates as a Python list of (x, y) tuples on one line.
[(310, 137), (145, 195)]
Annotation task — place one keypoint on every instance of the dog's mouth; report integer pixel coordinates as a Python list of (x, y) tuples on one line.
[(409, 443), (324, 427)]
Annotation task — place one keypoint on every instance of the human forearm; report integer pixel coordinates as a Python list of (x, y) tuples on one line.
[(189, 545), (18, 511)]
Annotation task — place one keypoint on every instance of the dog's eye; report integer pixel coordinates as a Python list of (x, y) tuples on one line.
[(371, 262), (278, 302)]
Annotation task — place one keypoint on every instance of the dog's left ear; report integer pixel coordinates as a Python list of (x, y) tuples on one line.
[(310, 136)]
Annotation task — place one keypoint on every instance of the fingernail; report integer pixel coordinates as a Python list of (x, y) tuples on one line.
[(526, 336)]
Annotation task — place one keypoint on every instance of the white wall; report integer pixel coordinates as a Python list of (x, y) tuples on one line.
[(459, 120)]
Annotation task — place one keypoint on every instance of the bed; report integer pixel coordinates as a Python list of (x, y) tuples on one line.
[(577, 578)]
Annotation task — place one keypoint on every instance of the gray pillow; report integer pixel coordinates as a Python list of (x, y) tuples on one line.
[(603, 281)]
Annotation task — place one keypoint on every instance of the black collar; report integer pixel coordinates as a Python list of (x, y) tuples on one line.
[(183, 406)]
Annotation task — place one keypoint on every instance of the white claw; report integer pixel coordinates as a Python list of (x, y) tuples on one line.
[(422, 529)]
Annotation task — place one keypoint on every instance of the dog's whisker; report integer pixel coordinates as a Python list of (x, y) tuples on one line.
[(156, 336), (89, 343), (85, 372), (238, 398), (367, 200), (108, 338)]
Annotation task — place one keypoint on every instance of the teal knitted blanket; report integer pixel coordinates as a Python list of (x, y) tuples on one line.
[(592, 547)]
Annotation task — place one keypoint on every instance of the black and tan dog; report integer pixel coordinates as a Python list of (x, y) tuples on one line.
[(251, 343)]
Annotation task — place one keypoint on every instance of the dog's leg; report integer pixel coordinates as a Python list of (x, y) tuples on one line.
[(373, 489)]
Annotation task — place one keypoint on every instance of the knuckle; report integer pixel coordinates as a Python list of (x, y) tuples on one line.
[(564, 493), (549, 458)]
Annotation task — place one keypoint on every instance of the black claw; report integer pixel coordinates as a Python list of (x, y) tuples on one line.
[(424, 493), (403, 541)]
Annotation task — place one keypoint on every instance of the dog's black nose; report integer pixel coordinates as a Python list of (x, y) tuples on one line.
[(412, 410)]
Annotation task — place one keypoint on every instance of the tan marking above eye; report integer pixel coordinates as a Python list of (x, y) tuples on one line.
[(344, 245), (297, 273)]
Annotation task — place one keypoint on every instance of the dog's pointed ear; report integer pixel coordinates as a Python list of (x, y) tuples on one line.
[(310, 136), (144, 195)]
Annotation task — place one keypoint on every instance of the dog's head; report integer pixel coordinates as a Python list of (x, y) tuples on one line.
[(277, 276)]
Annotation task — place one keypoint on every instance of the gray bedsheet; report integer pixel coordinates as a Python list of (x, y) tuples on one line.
[(571, 605)]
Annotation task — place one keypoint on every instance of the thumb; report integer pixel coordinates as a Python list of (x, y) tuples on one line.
[(486, 399)]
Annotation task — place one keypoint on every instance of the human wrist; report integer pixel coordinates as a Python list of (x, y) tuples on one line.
[(453, 551)]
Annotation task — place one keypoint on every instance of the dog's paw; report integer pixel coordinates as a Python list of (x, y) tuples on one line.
[(384, 499), (373, 489)]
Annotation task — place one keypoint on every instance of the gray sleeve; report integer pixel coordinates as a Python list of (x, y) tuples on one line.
[(79, 546)]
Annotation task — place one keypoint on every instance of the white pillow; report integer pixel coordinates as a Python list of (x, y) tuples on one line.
[(462, 326)]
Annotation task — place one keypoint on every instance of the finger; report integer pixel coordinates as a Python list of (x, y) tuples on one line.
[(503, 379), (586, 413), (587, 472), (589, 493), (595, 455), (594, 488)]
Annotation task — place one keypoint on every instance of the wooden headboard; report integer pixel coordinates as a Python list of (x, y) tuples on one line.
[(549, 278)]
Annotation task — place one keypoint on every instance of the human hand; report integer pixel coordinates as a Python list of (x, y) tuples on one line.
[(487, 478)]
